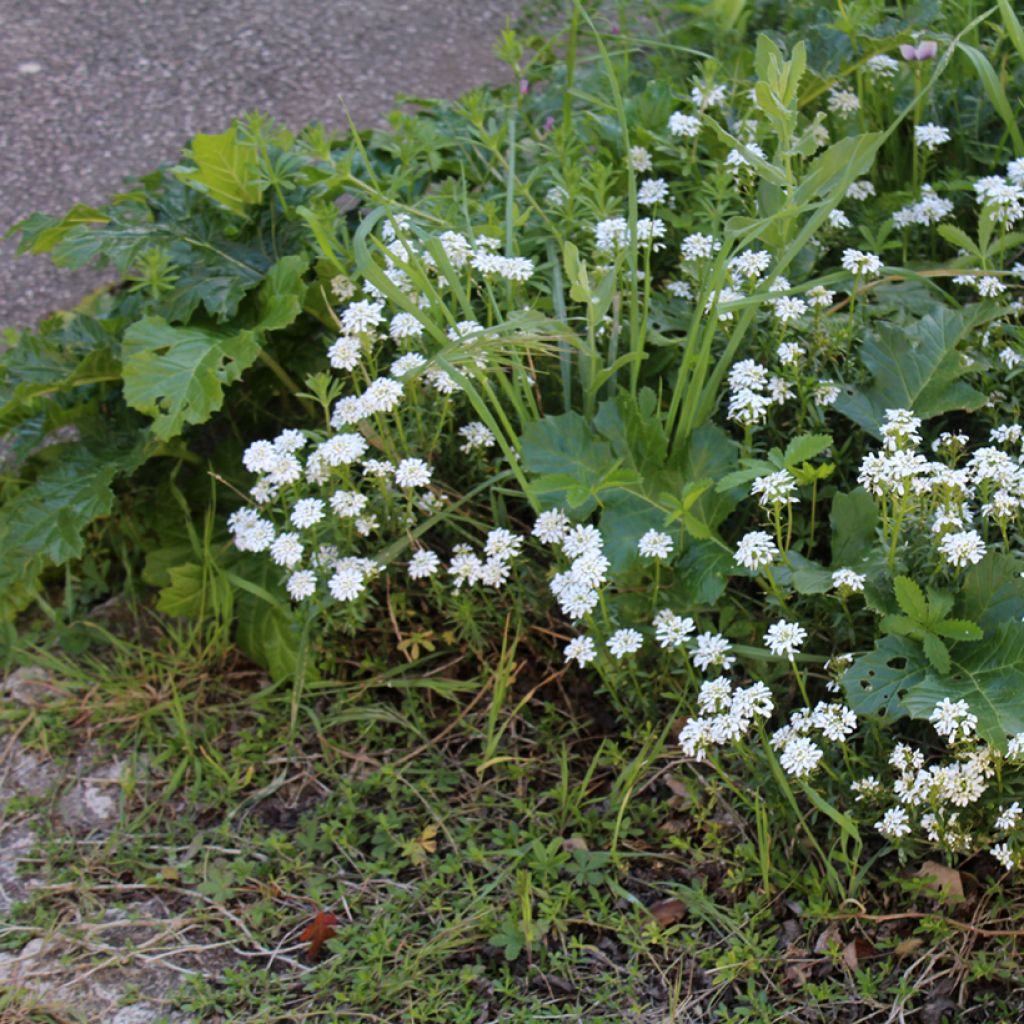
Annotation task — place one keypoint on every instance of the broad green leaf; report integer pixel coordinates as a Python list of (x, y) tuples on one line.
[(709, 455), (633, 427), (178, 375), (44, 523), (227, 170), (282, 292), (625, 518), (41, 232), (916, 367), (807, 576), (989, 676), (700, 574), (854, 522), (993, 591), (910, 597), (876, 681), (192, 592)]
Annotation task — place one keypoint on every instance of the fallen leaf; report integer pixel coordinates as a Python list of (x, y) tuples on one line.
[(908, 946), (574, 843), (317, 932), (829, 937), (947, 881), (668, 912), (796, 975), (857, 950), (423, 845)]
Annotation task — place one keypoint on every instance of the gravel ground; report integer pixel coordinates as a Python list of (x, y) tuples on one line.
[(96, 91)]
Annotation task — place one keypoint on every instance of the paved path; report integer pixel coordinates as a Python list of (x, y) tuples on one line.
[(90, 92)]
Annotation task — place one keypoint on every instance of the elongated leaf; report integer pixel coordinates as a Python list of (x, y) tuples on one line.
[(1013, 26), (995, 92), (805, 447), (178, 375), (910, 597)]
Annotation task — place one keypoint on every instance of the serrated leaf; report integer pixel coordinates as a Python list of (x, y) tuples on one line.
[(227, 170), (958, 629), (178, 375), (43, 524), (193, 592), (936, 652), (989, 676), (805, 447), (910, 597), (900, 625), (940, 604)]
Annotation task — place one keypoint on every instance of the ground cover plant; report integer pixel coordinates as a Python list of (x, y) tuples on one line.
[(558, 558)]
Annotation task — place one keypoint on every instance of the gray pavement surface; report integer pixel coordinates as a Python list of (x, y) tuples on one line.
[(93, 90)]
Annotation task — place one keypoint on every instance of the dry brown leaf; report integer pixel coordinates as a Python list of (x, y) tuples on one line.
[(317, 932), (796, 974), (574, 843), (857, 950), (908, 946), (947, 881), (829, 937), (668, 912)]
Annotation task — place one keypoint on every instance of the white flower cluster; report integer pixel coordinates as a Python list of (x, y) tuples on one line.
[(941, 496), (752, 392), (579, 588), (493, 568), (727, 714), (1003, 196), (929, 209), (934, 799), (612, 235), (799, 751)]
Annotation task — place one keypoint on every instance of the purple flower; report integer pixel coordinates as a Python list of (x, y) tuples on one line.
[(549, 125), (524, 86), (923, 51)]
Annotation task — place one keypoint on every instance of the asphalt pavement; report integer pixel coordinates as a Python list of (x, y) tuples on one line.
[(93, 91)]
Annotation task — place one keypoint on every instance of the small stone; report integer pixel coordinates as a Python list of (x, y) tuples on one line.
[(29, 67), (29, 686)]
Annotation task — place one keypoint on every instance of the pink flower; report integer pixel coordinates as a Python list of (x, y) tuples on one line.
[(524, 86), (923, 51)]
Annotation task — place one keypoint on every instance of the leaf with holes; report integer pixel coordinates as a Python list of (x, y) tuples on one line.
[(876, 681)]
